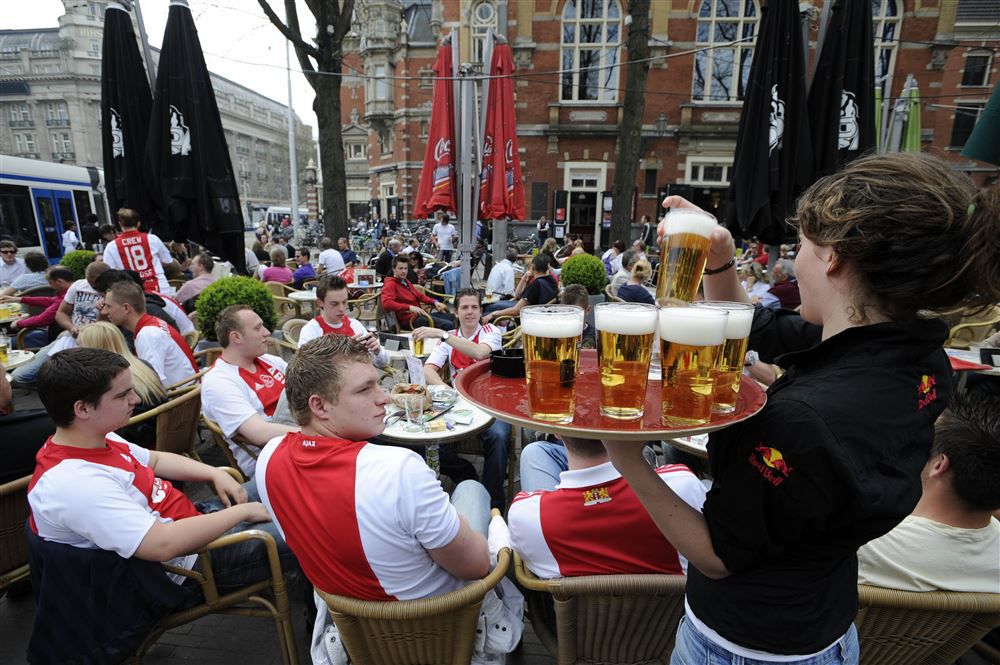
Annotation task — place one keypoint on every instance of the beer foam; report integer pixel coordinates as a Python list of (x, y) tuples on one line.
[(692, 326), (553, 325), (739, 322), (625, 320), (695, 223)]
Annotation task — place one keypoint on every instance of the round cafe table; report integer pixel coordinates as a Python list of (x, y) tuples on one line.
[(308, 296), (354, 286), (431, 441), (16, 358)]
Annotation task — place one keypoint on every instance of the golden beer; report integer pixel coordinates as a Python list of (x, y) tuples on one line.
[(551, 359), (683, 254), (691, 341), (624, 347), (418, 346), (734, 351)]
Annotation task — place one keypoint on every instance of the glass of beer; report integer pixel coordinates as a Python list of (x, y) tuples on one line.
[(551, 358), (729, 368), (691, 341), (418, 346), (683, 254), (624, 347)]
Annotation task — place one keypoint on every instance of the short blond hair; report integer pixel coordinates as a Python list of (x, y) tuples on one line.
[(642, 270), (317, 368)]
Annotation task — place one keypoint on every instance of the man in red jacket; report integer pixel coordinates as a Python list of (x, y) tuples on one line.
[(60, 279), (401, 298)]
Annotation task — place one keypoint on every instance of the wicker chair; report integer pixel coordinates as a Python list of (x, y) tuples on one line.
[(182, 386), (223, 445), (13, 548), (278, 289), (367, 309), (287, 309), (176, 423), (610, 297), (963, 334), (192, 338), (607, 619), (310, 284), (291, 329), (930, 628), (414, 632)]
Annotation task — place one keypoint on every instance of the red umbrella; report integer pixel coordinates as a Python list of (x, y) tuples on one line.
[(501, 183), (437, 179)]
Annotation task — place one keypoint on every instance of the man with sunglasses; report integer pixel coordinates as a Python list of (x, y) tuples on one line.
[(11, 267)]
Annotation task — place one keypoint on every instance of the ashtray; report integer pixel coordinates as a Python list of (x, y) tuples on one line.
[(508, 363)]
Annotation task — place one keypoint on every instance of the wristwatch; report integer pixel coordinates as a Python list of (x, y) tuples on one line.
[(444, 337)]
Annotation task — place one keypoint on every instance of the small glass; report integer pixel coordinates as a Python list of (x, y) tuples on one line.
[(414, 406)]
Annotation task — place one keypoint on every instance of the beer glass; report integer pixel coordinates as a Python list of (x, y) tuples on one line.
[(624, 347), (683, 254), (730, 364), (551, 357), (418, 346), (691, 341)]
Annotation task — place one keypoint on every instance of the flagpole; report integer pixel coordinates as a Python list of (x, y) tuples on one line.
[(293, 170), (146, 51), (481, 129)]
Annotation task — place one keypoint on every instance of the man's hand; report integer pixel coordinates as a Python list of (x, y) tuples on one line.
[(440, 306), (370, 341), (255, 512), (424, 332), (416, 310), (723, 248), (487, 318), (10, 299), (229, 491)]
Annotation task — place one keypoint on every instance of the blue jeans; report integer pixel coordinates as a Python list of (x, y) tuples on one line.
[(472, 501), (693, 648), (28, 373), (541, 464), (452, 280), (496, 445), (498, 305)]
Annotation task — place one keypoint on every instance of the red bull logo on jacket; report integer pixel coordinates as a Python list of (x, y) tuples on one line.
[(926, 391), (770, 463)]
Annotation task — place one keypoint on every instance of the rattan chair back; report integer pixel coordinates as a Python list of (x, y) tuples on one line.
[(223, 445), (13, 547), (291, 329), (929, 628), (974, 327), (176, 422), (610, 297)]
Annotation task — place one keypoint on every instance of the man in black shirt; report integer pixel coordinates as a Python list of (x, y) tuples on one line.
[(383, 263), (542, 289)]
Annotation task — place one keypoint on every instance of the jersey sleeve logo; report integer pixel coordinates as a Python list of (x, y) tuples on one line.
[(926, 391), (596, 496), (770, 463)]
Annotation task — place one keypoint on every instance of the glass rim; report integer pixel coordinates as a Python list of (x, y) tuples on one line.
[(624, 305), (694, 306), (725, 304), (690, 211), (552, 309)]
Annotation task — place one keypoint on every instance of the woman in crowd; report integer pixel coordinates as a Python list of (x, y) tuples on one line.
[(147, 385), (258, 250), (754, 281), (833, 460), (416, 273), (634, 291), (277, 271), (549, 249)]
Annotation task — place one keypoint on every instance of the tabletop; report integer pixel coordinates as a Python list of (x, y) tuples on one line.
[(355, 286), (16, 358), (303, 296), (7, 320), (395, 433)]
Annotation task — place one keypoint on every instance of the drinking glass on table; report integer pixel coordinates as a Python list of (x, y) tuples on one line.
[(551, 359), (691, 339), (414, 408), (734, 350), (624, 347), (683, 254)]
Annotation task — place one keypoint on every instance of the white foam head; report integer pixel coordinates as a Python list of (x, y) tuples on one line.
[(740, 318), (625, 318), (552, 321), (694, 326), (690, 221)]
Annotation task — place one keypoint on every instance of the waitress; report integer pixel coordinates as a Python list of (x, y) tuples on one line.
[(834, 458)]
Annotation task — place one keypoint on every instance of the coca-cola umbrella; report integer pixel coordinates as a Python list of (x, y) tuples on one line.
[(188, 169), (125, 108), (437, 179), (501, 183)]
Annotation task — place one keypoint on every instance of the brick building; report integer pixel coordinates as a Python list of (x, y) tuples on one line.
[(568, 122)]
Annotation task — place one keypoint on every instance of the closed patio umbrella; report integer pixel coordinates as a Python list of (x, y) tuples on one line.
[(437, 190), (502, 184)]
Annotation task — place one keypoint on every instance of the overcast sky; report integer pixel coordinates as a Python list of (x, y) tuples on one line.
[(238, 40)]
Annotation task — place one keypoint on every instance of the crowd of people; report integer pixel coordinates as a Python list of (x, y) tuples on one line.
[(889, 477)]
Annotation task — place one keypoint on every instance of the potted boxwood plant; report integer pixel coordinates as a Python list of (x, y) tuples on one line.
[(588, 271), (227, 291), (77, 261)]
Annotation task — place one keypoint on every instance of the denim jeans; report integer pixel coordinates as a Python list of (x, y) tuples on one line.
[(541, 464), (693, 648), (28, 372), (452, 280), (498, 305), (496, 444), (472, 501)]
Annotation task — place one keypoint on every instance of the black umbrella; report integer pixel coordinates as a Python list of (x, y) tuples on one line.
[(125, 106), (842, 97), (187, 161), (773, 161)]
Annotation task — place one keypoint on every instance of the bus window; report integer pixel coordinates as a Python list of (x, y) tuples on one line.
[(47, 219), (17, 218), (82, 201)]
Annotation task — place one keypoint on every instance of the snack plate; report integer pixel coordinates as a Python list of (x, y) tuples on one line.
[(507, 400)]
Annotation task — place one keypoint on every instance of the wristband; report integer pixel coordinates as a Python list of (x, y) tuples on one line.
[(715, 271)]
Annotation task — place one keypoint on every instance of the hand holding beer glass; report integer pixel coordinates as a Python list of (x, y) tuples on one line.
[(691, 340), (683, 254), (551, 359), (624, 347), (734, 351)]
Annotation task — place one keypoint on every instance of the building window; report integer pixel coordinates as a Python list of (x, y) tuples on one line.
[(426, 79), (56, 114), (885, 21), (721, 73), (965, 119), (977, 70), (356, 151), (591, 41), (20, 115), (583, 180), (25, 143), (242, 144), (388, 190), (261, 171), (707, 173), (484, 19), (244, 168), (380, 85), (424, 128), (95, 47), (649, 182), (385, 140), (62, 142)]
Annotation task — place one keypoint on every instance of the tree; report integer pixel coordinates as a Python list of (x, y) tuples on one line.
[(634, 107), (322, 63)]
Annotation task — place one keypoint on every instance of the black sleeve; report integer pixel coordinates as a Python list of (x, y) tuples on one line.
[(782, 331), (532, 293)]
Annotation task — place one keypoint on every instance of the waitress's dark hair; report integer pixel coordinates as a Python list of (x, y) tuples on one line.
[(915, 232)]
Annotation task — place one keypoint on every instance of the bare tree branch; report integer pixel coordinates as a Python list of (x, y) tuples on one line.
[(292, 33), (344, 21)]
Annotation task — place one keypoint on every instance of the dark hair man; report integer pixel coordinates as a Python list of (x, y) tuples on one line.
[(331, 300), (542, 289), (402, 298)]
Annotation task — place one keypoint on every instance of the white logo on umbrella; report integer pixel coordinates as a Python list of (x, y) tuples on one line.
[(848, 137), (442, 148), (776, 131), (117, 138), (180, 135), (508, 151)]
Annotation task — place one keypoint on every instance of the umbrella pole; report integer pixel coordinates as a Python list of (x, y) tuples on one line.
[(466, 107), (146, 52), (481, 133)]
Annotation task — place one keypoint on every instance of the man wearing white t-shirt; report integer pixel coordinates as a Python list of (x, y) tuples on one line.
[(156, 342), (459, 348), (142, 252), (951, 540), (592, 523), (241, 390), (330, 260), (331, 299), (82, 303), (71, 241), (444, 234), (501, 281)]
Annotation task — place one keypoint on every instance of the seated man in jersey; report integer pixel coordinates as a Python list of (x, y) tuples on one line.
[(141, 252), (156, 342), (159, 305), (331, 300), (366, 521), (951, 540), (91, 489), (241, 390), (592, 523), (469, 343), (402, 298)]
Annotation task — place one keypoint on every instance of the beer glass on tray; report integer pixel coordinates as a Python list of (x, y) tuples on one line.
[(624, 347), (551, 336), (734, 350), (691, 339), (683, 254)]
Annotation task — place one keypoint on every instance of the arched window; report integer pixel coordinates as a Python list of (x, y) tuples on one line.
[(484, 19), (721, 74), (885, 24), (591, 41)]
